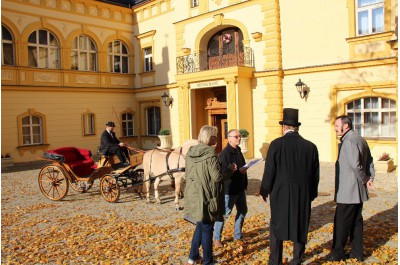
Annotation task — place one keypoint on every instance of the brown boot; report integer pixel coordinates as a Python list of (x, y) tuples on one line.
[(218, 243)]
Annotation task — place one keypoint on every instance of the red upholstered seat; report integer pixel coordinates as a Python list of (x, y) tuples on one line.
[(78, 159)]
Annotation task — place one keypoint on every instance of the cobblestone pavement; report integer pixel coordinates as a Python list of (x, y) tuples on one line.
[(85, 229)]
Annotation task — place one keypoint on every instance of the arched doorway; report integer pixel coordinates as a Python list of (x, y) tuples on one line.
[(225, 49)]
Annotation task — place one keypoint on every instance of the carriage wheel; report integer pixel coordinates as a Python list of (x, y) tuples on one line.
[(109, 188), (53, 183), (138, 178)]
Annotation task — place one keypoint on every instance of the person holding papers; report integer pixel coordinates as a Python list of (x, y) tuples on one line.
[(235, 187), (291, 177)]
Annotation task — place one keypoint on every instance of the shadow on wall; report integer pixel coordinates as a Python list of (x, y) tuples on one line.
[(264, 150)]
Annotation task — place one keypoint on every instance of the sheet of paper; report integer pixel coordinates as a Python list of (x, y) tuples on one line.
[(253, 162)]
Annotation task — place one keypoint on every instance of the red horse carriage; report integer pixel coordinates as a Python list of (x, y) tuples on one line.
[(71, 166)]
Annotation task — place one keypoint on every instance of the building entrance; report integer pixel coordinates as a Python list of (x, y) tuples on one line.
[(217, 116)]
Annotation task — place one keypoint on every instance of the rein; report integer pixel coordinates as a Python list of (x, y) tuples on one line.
[(169, 171)]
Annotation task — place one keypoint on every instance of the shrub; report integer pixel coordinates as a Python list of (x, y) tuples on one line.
[(244, 133), (163, 132), (384, 157)]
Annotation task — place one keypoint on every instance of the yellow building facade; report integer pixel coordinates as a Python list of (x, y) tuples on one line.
[(70, 66)]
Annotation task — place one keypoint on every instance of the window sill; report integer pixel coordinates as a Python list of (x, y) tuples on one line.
[(147, 73), (380, 35), (370, 138), (32, 148), (129, 137)]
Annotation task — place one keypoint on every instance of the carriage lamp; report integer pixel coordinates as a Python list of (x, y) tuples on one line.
[(166, 99), (302, 88)]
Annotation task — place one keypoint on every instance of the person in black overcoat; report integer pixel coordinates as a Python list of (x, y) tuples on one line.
[(291, 177), (110, 145)]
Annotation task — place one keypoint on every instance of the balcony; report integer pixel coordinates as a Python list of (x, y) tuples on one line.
[(215, 59)]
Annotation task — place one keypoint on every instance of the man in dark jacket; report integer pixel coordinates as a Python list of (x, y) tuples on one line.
[(235, 186), (291, 177), (110, 145)]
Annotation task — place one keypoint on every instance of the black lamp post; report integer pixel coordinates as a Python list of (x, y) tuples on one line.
[(166, 99), (301, 88)]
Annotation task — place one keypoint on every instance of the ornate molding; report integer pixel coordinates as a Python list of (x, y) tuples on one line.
[(45, 77), (123, 81), (257, 36), (6, 75), (85, 79), (231, 80), (218, 18)]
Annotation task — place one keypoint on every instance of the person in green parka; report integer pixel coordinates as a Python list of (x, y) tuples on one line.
[(204, 194)]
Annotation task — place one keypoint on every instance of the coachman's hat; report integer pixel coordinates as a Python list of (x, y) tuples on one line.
[(110, 124), (290, 117)]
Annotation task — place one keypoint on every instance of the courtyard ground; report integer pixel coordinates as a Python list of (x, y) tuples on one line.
[(85, 229)]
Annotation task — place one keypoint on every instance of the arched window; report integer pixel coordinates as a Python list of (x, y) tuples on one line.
[(117, 57), (373, 117), (225, 49), (7, 47), (153, 120), (83, 54), (128, 124), (43, 50), (32, 132)]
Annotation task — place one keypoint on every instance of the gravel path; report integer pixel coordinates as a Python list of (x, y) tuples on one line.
[(85, 229)]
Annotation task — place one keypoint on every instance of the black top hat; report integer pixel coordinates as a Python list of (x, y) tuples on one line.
[(290, 117), (110, 124)]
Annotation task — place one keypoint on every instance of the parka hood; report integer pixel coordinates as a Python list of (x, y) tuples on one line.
[(201, 152)]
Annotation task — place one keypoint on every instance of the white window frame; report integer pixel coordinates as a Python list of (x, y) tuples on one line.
[(369, 8), (154, 128), (31, 126), (89, 124), (83, 47), (127, 123), (7, 42), (116, 52), (50, 50), (148, 59), (361, 124)]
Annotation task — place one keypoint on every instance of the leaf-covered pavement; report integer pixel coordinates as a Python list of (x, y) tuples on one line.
[(85, 229)]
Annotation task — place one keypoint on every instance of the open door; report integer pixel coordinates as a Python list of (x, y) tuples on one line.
[(217, 117), (224, 133)]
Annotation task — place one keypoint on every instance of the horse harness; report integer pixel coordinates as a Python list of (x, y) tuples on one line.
[(169, 171)]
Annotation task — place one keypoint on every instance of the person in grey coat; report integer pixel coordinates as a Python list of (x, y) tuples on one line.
[(291, 178), (354, 175)]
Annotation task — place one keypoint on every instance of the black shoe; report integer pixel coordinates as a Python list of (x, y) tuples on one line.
[(126, 164), (333, 257), (360, 259)]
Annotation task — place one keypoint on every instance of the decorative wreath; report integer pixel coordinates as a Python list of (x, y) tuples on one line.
[(227, 38)]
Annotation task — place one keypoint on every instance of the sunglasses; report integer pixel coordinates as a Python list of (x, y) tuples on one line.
[(235, 136)]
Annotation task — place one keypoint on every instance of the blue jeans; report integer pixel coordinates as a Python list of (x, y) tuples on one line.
[(239, 200), (202, 236)]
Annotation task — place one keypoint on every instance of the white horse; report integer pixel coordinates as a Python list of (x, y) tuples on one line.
[(159, 164)]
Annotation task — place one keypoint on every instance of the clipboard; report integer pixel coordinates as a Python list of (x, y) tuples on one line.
[(252, 163)]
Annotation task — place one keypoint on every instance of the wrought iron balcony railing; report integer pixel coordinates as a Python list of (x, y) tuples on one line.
[(215, 59)]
